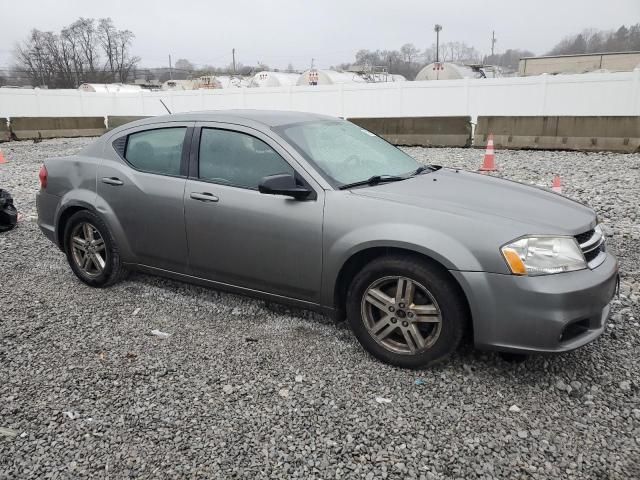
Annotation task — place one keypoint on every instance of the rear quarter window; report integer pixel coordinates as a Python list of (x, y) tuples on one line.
[(156, 151)]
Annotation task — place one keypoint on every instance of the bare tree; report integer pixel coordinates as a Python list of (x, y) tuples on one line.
[(83, 32), (74, 55), (32, 56), (184, 64), (116, 46), (108, 37), (409, 52), (459, 52), (125, 62), (597, 41), (509, 58)]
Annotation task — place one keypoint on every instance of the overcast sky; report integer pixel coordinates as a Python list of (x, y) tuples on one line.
[(277, 32)]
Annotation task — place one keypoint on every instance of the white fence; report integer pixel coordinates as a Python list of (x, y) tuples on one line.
[(575, 95)]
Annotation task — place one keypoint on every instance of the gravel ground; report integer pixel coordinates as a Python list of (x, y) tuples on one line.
[(242, 388)]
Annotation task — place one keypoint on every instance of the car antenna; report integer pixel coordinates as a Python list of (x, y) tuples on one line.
[(166, 108)]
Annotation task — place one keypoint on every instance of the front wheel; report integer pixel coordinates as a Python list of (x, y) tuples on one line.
[(91, 250), (406, 312)]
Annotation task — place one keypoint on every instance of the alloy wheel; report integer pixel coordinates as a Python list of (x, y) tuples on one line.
[(401, 315), (88, 249)]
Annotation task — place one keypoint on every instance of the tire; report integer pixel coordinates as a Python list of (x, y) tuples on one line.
[(437, 312), (112, 269)]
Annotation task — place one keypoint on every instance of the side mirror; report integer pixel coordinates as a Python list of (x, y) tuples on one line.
[(284, 184)]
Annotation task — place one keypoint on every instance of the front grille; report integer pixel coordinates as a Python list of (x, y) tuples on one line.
[(583, 237), (591, 255), (592, 246)]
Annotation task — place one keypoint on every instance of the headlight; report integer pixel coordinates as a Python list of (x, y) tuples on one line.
[(543, 255)]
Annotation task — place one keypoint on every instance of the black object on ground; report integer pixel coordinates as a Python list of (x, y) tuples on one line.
[(8, 212)]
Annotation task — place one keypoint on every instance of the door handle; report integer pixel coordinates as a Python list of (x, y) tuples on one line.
[(204, 197), (112, 181)]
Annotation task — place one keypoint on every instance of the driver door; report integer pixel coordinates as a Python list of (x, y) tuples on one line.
[(240, 237)]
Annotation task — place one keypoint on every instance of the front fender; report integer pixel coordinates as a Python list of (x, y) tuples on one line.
[(446, 250)]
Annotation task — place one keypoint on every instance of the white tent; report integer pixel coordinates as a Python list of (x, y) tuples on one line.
[(179, 85), (328, 77), (447, 71), (232, 81), (108, 87), (274, 79)]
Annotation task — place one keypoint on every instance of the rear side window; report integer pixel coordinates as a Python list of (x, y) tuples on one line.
[(156, 151), (237, 159)]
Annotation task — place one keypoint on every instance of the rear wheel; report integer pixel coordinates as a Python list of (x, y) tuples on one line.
[(91, 250), (406, 312)]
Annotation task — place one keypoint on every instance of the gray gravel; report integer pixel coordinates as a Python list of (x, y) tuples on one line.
[(241, 388)]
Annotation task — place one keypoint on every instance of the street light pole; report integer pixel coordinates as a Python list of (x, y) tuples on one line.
[(493, 43), (437, 29), (233, 55)]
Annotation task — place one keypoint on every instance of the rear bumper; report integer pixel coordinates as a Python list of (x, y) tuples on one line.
[(46, 205), (551, 313)]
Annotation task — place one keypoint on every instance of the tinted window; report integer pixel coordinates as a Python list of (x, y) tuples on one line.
[(156, 151), (234, 158)]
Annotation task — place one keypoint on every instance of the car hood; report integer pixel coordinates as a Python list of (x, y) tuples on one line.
[(467, 193)]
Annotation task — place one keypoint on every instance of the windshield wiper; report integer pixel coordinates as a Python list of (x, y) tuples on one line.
[(375, 180), (424, 168)]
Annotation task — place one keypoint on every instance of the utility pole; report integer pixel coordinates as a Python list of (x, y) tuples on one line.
[(493, 41), (170, 71), (233, 55), (313, 61), (437, 29)]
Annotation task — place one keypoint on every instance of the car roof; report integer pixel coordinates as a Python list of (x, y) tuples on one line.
[(268, 118)]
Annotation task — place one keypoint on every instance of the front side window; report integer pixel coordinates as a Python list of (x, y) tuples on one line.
[(346, 153), (156, 151), (237, 159)]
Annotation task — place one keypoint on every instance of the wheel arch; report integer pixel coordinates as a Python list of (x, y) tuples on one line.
[(63, 216), (102, 210), (359, 259)]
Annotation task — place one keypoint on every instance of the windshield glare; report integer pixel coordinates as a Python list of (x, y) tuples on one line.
[(346, 153)]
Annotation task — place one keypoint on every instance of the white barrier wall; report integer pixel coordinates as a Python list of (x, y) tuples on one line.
[(575, 95)]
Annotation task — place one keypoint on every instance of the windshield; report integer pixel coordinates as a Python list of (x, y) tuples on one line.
[(346, 153)]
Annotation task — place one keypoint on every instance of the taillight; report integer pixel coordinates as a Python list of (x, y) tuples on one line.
[(43, 176)]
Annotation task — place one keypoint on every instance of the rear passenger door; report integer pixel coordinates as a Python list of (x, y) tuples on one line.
[(142, 183), (241, 237)]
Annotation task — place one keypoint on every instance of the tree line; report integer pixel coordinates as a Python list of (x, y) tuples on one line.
[(88, 50), (183, 69), (409, 59), (597, 41), (91, 50)]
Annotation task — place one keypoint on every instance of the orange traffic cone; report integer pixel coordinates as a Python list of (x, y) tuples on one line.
[(556, 184), (2, 159), (489, 163)]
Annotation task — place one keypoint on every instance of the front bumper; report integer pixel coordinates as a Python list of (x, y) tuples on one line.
[(550, 313)]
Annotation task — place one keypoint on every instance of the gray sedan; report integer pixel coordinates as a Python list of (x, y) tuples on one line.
[(317, 212)]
